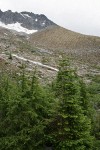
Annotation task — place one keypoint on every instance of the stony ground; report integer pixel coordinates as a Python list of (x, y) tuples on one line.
[(48, 47)]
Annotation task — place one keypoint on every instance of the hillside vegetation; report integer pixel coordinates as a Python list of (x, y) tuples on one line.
[(80, 47), (58, 116), (49, 86)]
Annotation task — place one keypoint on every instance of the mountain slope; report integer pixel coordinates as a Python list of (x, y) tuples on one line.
[(58, 37), (62, 40), (45, 48)]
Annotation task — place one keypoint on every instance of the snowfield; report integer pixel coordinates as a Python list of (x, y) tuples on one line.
[(17, 27), (35, 63)]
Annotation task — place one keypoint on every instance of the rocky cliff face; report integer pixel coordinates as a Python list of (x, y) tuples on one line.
[(27, 20)]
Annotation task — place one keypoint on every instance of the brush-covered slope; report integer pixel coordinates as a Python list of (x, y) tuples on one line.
[(79, 46), (58, 37)]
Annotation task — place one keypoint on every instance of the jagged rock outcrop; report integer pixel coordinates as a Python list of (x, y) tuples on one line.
[(27, 20)]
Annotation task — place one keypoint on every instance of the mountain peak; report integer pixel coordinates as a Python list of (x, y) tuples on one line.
[(27, 20)]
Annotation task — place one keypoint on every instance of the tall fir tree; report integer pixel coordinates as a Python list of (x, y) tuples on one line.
[(24, 107), (70, 129)]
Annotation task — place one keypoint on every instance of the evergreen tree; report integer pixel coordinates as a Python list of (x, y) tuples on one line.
[(23, 112), (94, 91), (85, 101), (70, 129)]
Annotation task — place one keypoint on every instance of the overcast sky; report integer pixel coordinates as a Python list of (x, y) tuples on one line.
[(78, 15)]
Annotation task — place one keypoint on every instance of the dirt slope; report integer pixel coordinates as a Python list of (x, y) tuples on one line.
[(74, 44)]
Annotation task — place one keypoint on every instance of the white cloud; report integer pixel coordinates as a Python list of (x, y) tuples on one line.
[(78, 15)]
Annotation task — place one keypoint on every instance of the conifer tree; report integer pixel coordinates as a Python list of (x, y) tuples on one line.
[(70, 129), (23, 111)]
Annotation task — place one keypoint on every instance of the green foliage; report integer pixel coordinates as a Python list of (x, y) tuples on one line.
[(96, 145), (33, 117), (94, 91), (70, 128), (10, 56), (24, 107)]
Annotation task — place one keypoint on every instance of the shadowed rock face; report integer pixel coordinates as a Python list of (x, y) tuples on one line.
[(26, 19)]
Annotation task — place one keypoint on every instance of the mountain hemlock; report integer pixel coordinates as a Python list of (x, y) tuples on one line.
[(35, 117), (70, 129), (24, 106)]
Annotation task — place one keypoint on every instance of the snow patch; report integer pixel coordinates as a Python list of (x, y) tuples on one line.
[(43, 24), (17, 27), (35, 63), (36, 19), (26, 15), (22, 15), (5, 34)]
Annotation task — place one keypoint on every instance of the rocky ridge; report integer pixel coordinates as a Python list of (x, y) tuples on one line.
[(26, 19)]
